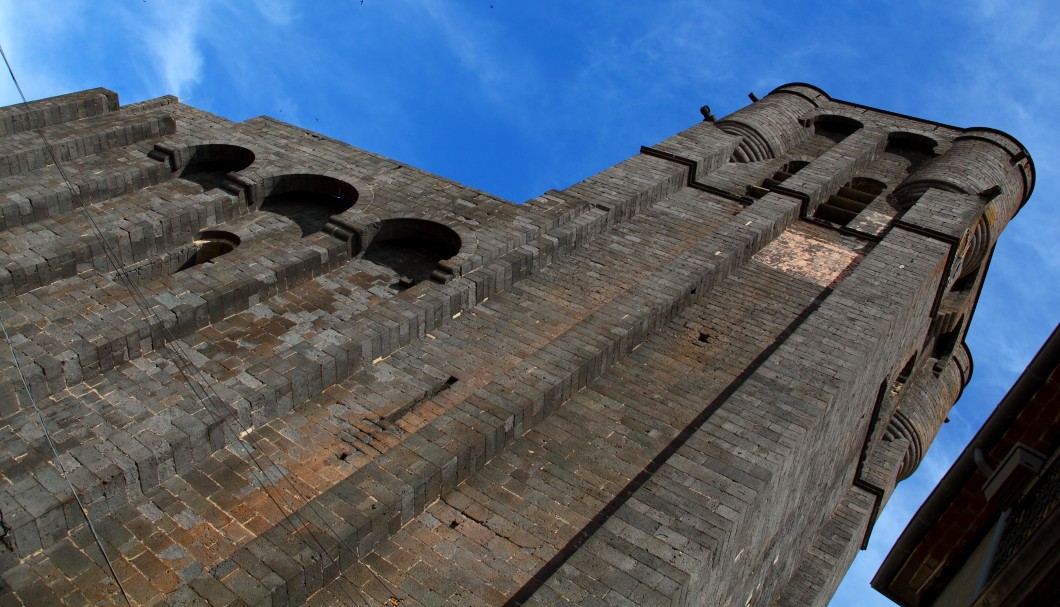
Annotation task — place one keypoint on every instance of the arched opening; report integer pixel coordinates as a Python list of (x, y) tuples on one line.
[(209, 164), (309, 200), (210, 245), (836, 128), (309, 210), (412, 248), (944, 346), (911, 146)]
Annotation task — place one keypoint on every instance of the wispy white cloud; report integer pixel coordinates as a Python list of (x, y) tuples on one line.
[(172, 35), (564, 90), (22, 26), (993, 69), (504, 73), (277, 12), (664, 50)]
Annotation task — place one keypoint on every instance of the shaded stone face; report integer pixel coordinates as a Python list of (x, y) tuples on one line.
[(288, 370)]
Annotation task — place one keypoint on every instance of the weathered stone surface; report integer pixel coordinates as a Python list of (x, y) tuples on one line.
[(281, 370)]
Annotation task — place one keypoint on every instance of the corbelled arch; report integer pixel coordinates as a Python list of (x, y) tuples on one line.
[(310, 200), (417, 249)]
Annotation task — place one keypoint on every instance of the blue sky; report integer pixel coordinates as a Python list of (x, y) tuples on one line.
[(517, 97)]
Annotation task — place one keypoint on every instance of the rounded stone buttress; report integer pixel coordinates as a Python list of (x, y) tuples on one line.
[(925, 405), (980, 162), (984, 163), (771, 126)]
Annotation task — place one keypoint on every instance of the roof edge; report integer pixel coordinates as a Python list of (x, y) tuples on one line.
[(929, 513)]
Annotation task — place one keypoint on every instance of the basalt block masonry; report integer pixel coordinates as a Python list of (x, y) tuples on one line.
[(277, 369)]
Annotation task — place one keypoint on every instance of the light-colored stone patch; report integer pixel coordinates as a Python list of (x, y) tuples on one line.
[(871, 222), (807, 257)]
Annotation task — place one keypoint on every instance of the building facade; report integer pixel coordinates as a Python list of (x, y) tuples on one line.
[(276, 369), (989, 534)]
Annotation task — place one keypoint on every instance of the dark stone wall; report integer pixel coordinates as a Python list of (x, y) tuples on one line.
[(280, 369)]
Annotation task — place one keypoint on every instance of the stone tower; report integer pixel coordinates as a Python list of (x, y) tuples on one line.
[(277, 369)]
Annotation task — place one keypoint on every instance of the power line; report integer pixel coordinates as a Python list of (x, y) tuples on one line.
[(40, 414)]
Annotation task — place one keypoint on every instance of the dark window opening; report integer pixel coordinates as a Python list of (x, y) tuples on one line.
[(209, 246), (965, 283), (903, 377), (210, 164), (836, 128), (208, 175), (412, 261), (945, 344), (309, 210), (907, 370), (412, 248), (914, 148)]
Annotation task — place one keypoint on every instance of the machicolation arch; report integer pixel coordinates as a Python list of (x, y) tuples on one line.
[(412, 248), (209, 245), (308, 200), (206, 164), (834, 127)]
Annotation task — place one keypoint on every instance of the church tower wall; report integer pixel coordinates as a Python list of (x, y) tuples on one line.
[(280, 369)]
